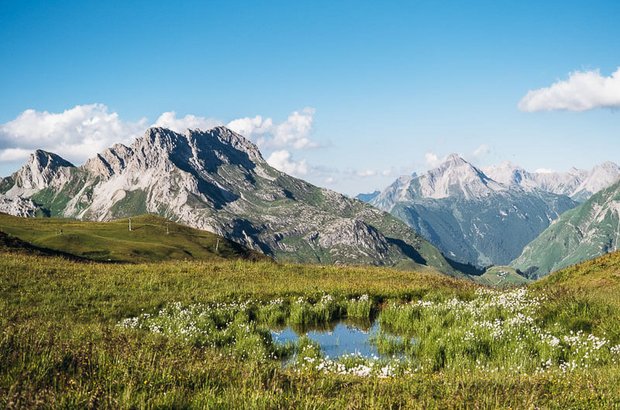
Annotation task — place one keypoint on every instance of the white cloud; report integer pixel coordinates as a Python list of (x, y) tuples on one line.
[(366, 173), (481, 151), (252, 127), (282, 160), (292, 133), (169, 120), (433, 160), (544, 171), (584, 90), (84, 130), (14, 154), (76, 133)]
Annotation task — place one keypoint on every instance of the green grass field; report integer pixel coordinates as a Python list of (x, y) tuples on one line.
[(191, 334), (151, 239), (501, 277)]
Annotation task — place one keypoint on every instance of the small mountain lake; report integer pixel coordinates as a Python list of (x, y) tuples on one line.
[(339, 339)]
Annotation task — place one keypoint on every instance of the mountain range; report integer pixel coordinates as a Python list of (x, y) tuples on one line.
[(579, 184), (486, 217), (217, 180)]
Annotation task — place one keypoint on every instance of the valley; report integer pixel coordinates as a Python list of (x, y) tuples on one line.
[(488, 217), (309, 205)]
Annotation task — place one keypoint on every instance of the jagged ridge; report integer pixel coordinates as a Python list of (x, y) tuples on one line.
[(468, 215), (575, 183), (218, 181)]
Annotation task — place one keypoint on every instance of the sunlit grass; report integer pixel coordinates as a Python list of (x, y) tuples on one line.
[(61, 344)]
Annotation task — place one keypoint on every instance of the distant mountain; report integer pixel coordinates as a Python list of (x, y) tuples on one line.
[(469, 216), (590, 230), (577, 184), (455, 177), (218, 181), (367, 197)]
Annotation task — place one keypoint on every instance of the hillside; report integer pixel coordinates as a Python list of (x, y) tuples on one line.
[(598, 277), (587, 295), (151, 239), (590, 230)]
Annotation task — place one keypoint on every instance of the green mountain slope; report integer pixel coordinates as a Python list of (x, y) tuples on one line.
[(151, 239), (590, 230), (587, 295), (598, 277)]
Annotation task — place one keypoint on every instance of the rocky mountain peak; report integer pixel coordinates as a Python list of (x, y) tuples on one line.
[(217, 180), (454, 158), (466, 212), (599, 177), (161, 139), (511, 175), (454, 162), (455, 177), (575, 171), (47, 160), (607, 167), (110, 162), (197, 149), (235, 140), (40, 169)]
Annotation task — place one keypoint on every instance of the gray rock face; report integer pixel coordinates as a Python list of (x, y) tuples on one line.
[(218, 181), (18, 206), (470, 217), (354, 233), (110, 162), (41, 170)]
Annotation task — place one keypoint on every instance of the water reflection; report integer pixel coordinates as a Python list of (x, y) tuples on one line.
[(337, 339)]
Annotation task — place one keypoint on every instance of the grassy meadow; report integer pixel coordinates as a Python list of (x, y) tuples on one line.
[(194, 334), (151, 239)]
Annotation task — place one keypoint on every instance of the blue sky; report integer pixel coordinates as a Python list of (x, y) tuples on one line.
[(379, 88)]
